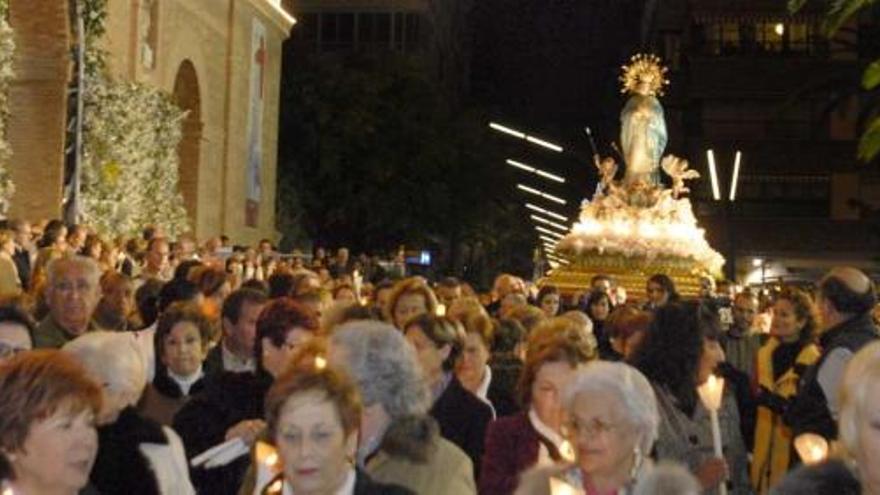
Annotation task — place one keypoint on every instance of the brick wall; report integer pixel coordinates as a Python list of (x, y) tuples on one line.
[(38, 106)]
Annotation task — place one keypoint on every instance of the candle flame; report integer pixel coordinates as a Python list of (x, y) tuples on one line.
[(441, 310), (811, 447), (711, 393), (320, 362), (272, 459)]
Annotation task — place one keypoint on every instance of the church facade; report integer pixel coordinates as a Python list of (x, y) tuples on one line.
[(221, 61)]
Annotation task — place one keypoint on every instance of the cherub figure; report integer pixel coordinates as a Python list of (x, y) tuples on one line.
[(677, 169)]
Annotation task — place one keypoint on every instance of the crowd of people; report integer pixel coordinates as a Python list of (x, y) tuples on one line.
[(152, 366)]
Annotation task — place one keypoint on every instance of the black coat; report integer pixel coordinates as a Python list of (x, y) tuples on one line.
[(463, 419), (120, 467), (202, 423), (809, 410), (22, 260)]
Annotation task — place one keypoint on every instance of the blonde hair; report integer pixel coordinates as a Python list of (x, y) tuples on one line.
[(862, 373), (412, 285)]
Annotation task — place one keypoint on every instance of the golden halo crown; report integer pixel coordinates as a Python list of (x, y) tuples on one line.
[(644, 67)]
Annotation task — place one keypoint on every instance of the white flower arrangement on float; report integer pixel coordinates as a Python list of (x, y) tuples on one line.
[(666, 229), (7, 73), (130, 136)]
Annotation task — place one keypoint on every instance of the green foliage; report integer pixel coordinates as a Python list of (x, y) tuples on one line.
[(377, 156), (839, 13)]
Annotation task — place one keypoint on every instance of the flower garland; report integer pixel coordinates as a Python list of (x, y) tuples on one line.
[(7, 52), (130, 136)]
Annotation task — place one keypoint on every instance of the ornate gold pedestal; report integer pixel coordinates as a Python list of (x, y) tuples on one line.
[(629, 272)]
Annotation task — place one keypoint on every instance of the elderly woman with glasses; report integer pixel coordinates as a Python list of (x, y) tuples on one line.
[(313, 415), (612, 426)]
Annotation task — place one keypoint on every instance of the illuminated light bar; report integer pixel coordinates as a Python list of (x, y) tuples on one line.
[(532, 170), (546, 212), (716, 192), (545, 144), (521, 135), (507, 130), (735, 179), (549, 239), (538, 193), (549, 222), (542, 230)]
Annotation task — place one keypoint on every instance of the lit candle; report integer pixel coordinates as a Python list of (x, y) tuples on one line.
[(320, 362), (267, 466), (559, 487), (711, 393), (441, 310), (812, 448)]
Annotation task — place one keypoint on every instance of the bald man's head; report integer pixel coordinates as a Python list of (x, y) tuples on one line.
[(849, 290)]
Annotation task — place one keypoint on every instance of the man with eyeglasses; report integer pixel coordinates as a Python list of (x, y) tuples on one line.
[(72, 295)]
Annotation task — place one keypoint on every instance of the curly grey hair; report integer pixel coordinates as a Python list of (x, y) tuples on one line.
[(112, 358), (384, 366), (627, 383)]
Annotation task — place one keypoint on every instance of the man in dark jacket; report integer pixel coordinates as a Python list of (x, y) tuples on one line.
[(845, 299), (23, 256)]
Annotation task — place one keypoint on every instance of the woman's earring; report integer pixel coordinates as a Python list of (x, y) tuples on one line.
[(637, 462)]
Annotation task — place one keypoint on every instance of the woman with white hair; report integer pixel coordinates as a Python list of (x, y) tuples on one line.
[(857, 470), (135, 455), (399, 442), (612, 424)]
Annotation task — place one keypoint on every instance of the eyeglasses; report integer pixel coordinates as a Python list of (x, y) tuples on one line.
[(590, 428), (8, 350)]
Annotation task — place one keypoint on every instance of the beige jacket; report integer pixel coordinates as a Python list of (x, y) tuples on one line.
[(448, 472)]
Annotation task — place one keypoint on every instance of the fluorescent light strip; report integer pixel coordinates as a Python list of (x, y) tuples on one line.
[(549, 222), (735, 179), (546, 212), (716, 193), (536, 171), (544, 144), (507, 130), (553, 235), (548, 239), (544, 195), (521, 135), (548, 232)]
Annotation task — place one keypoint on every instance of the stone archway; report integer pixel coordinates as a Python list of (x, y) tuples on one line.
[(187, 96)]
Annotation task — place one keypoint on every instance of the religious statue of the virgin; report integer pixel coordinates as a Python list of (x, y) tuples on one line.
[(642, 126)]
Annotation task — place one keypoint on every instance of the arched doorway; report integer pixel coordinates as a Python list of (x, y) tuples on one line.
[(186, 94)]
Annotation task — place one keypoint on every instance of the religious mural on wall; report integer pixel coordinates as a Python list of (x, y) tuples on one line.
[(256, 102)]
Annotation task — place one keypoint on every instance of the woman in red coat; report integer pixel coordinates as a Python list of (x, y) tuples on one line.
[(534, 437)]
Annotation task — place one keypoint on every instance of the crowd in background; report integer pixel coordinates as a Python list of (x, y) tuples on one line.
[(151, 365)]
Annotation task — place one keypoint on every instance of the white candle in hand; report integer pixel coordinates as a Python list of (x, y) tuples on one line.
[(711, 394)]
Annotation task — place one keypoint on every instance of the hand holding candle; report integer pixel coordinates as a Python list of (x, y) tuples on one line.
[(711, 394)]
